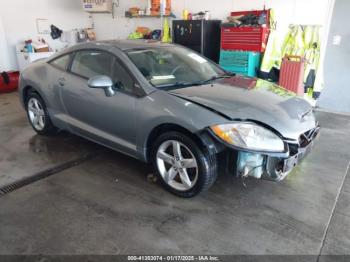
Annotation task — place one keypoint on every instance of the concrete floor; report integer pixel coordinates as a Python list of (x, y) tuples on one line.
[(23, 153), (106, 205)]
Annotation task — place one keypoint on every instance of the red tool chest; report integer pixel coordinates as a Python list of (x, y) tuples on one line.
[(292, 74), (9, 81), (246, 38)]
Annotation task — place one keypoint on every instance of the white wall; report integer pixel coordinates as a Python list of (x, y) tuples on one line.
[(336, 94), (4, 60), (19, 22)]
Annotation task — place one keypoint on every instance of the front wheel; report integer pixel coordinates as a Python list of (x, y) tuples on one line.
[(182, 166), (38, 115)]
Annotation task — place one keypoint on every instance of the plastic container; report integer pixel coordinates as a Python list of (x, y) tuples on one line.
[(156, 7), (185, 14), (292, 74), (240, 62)]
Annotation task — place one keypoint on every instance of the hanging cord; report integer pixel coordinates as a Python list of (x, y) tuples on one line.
[(115, 4)]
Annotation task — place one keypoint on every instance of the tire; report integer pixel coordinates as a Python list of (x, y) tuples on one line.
[(38, 116), (185, 174)]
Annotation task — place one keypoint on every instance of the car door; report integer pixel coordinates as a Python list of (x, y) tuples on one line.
[(56, 70), (90, 113)]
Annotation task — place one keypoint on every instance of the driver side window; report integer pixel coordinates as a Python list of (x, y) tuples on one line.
[(92, 63), (122, 79)]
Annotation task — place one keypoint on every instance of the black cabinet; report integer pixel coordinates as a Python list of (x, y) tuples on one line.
[(202, 36)]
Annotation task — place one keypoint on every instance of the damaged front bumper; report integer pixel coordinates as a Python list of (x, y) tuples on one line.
[(261, 165), (272, 167)]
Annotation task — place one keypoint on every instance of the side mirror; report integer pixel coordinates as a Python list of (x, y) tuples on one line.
[(102, 82)]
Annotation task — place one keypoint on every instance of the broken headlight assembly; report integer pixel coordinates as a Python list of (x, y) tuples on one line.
[(253, 143), (249, 136)]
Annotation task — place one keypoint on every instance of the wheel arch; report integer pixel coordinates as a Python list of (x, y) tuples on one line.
[(26, 91), (208, 157), (202, 138), (169, 127)]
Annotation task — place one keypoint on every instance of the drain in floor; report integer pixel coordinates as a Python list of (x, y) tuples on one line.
[(44, 174)]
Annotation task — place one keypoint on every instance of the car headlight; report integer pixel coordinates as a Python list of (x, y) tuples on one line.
[(249, 136)]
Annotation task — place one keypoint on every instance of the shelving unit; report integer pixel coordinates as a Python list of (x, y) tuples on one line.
[(155, 12), (148, 16)]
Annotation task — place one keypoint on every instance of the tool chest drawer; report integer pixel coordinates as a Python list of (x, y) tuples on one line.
[(240, 62)]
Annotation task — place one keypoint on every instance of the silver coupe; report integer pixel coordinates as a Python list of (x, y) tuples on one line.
[(169, 106)]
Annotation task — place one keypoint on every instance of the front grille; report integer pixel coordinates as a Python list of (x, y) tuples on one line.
[(306, 138)]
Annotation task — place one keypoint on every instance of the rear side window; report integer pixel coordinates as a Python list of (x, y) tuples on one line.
[(61, 62), (92, 63)]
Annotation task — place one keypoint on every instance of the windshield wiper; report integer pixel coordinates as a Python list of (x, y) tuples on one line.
[(226, 75), (196, 83), (177, 84)]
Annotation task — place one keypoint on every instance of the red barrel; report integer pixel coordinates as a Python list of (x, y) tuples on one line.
[(292, 74), (9, 81)]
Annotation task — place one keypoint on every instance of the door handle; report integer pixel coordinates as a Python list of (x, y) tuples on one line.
[(61, 81)]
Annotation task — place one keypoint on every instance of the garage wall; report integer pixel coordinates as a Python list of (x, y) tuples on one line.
[(313, 12), (287, 11), (19, 23), (336, 94), (18, 18), (291, 11), (4, 59)]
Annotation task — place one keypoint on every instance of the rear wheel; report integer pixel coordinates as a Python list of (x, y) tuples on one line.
[(182, 166), (38, 116)]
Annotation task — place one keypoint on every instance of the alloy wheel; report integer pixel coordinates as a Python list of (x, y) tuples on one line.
[(36, 113), (177, 165)]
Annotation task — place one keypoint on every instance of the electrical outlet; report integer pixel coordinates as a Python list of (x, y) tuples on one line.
[(337, 40)]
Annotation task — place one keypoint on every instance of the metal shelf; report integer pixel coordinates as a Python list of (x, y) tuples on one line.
[(148, 16)]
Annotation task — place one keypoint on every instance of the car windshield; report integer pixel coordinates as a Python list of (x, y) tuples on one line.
[(171, 67)]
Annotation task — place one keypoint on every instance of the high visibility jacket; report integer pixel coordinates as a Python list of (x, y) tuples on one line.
[(272, 56), (303, 41)]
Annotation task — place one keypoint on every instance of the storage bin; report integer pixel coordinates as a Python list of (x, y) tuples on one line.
[(240, 62), (24, 59)]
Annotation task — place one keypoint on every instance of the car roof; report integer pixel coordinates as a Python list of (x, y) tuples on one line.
[(119, 44), (131, 44)]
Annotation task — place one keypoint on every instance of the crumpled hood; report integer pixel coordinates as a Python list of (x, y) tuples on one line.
[(242, 98)]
